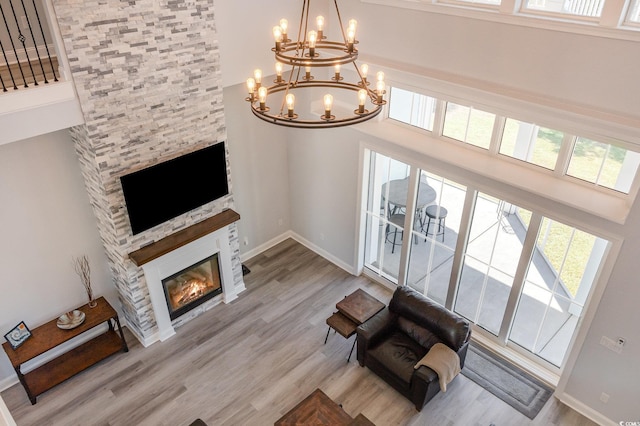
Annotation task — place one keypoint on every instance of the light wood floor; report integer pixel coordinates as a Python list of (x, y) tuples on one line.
[(249, 362)]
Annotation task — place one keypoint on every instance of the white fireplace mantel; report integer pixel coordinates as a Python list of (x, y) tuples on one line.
[(181, 258), (180, 251)]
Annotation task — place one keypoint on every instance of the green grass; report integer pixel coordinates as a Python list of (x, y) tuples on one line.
[(480, 125), (586, 160), (558, 238), (546, 146)]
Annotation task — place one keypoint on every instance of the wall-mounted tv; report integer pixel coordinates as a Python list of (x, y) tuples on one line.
[(169, 189)]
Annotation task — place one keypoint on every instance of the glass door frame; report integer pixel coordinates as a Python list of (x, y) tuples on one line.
[(533, 362)]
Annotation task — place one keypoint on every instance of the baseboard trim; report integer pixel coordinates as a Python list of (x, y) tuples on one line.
[(265, 246), (7, 382), (5, 416), (585, 410), (308, 244), (321, 252)]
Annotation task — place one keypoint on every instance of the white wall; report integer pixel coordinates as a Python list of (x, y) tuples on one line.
[(597, 369), (323, 167), (245, 35), (579, 69), (259, 172), (46, 221)]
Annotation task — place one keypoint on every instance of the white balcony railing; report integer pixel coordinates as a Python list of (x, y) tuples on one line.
[(38, 95), (28, 54)]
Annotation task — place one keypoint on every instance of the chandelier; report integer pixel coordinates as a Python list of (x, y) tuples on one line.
[(315, 74)]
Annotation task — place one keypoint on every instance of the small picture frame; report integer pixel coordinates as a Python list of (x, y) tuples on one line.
[(18, 335)]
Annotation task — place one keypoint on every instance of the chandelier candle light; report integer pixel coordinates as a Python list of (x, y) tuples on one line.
[(313, 52)]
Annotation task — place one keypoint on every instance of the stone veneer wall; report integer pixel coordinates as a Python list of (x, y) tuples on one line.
[(148, 78)]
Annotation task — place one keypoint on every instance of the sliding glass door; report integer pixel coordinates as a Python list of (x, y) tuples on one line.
[(490, 262), (385, 215), (559, 278), (439, 206), (523, 279)]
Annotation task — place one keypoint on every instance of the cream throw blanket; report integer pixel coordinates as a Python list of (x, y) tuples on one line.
[(444, 361)]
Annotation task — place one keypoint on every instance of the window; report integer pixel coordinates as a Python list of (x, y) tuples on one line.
[(603, 164), (571, 16), (559, 279), (388, 181), (412, 108), (519, 276), (609, 170), (588, 8), (634, 12), (475, 2), (468, 125), (531, 143), (439, 205)]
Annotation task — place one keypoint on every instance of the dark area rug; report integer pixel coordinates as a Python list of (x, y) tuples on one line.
[(514, 386)]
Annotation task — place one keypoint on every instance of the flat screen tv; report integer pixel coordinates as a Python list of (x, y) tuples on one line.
[(169, 189)]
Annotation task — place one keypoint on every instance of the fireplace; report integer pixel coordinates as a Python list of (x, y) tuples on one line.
[(200, 252), (192, 286)]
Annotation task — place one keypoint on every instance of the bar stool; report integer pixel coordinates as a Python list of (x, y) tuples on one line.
[(398, 220), (439, 215)]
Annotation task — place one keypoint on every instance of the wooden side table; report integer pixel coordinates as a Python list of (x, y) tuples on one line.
[(353, 310), (318, 409), (59, 369)]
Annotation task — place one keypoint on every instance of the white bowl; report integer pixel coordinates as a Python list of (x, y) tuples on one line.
[(70, 320)]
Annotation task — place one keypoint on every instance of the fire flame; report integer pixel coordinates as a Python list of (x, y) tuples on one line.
[(187, 291)]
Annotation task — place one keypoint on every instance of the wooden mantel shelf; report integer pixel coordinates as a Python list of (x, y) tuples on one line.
[(167, 244)]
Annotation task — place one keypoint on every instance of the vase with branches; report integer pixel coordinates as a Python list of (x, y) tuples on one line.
[(81, 265)]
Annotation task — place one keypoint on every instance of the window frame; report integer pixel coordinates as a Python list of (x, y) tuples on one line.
[(634, 6), (564, 155), (470, 3), (611, 24), (404, 123), (600, 124), (549, 14), (471, 109)]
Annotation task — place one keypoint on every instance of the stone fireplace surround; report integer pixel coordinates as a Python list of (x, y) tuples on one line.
[(147, 76)]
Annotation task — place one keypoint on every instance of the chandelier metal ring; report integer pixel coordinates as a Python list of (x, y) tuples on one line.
[(314, 124), (313, 50), (284, 55)]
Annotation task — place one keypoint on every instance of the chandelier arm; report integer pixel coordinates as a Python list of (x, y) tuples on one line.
[(305, 5), (344, 36), (362, 81), (305, 17)]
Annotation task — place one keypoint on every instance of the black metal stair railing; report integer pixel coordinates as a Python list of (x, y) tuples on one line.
[(21, 44)]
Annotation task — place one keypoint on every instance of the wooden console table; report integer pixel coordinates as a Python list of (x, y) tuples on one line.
[(59, 369)]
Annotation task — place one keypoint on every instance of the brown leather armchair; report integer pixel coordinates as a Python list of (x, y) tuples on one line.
[(396, 338)]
